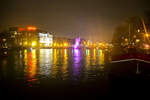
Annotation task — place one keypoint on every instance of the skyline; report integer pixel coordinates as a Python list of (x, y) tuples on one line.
[(93, 20)]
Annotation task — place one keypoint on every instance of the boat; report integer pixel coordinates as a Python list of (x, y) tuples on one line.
[(132, 62)]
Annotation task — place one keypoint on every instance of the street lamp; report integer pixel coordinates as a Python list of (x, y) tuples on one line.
[(137, 40), (147, 35)]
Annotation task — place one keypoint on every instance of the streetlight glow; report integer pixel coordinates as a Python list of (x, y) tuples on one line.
[(33, 43)]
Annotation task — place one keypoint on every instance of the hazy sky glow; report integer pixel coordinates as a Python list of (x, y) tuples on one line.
[(90, 19)]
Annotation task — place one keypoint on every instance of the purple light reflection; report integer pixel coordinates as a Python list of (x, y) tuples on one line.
[(77, 64), (77, 52)]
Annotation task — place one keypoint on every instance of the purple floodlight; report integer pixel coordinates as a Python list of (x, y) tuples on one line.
[(77, 43)]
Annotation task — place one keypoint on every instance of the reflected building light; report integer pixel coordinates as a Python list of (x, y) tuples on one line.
[(87, 58), (76, 52), (65, 52), (65, 65), (32, 65), (30, 69), (94, 57), (45, 61), (94, 52), (88, 52), (51, 55), (25, 56), (54, 68), (20, 53), (33, 54), (72, 51), (55, 54), (101, 57), (77, 66)]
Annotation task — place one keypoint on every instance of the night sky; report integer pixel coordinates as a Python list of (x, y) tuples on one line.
[(89, 19)]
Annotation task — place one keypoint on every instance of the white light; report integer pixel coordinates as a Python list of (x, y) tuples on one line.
[(46, 39)]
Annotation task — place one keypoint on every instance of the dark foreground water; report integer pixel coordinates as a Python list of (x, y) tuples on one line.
[(62, 73)]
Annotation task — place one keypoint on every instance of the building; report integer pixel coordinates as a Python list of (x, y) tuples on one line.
[(31, 36), (61, 42), (45, 39)]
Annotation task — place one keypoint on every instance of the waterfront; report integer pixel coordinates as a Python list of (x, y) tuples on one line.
[(47, 69), (59, 73)]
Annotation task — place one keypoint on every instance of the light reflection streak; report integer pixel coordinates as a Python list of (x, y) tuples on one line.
[(76, 52), (94, 57), (55, 63), (25, 60), (101, 57), (45, 60), (32, 61), (101, 60), (30, 69), (87, 59), (65, 65), (77, 64), (54, 68)]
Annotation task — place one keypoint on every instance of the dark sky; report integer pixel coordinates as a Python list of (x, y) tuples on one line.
[(90, 19)]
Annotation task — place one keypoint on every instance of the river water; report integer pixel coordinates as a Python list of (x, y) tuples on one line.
[(55, 72)]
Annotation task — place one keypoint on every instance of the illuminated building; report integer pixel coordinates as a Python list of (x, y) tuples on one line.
[(60, 42), (29, 37), (23, 36), (45, 39), (4, 40)]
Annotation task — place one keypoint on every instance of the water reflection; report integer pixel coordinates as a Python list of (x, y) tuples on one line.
[(54, 69), (101, 60), (77, 64), (65, 65), (54, 64), (45, 61), (87, 59), (30, 59), (93, 61)]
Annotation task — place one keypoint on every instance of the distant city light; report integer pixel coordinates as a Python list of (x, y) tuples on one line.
[(4, 40), (137, 40), (25, 43), (126, 39), (77, 43), (20, 29), (31, 28), (33, 43), (147, 35), (65, 44), (146, 46)]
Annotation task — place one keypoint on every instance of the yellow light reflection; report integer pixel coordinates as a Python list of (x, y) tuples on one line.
[(45, 61), (94, 57), (101, 60), (65, 65), (94, 52), (87, 58), (32, 61), (65, 52), (54, 69), (25, 58)]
